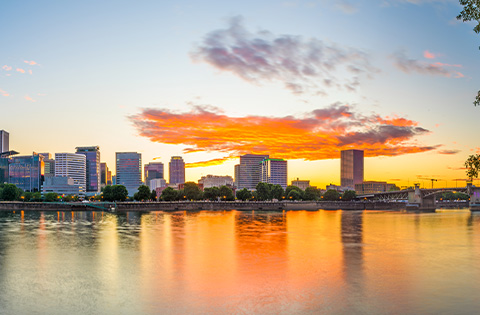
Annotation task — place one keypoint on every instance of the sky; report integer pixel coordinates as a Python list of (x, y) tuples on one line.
[(212, 80)]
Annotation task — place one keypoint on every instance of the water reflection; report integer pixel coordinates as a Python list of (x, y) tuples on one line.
[(239, 262)]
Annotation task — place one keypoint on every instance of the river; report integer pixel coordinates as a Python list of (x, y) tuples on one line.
[(293, 262)]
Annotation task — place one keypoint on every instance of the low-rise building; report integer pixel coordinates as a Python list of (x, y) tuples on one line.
[(372, 187), (302, 184), (215, 181), (62, 185)]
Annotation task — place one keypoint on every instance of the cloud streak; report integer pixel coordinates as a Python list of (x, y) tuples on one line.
[(301, 65), (406, 65), (317, 135)]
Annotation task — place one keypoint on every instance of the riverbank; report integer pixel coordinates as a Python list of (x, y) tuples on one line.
[(207, 205)]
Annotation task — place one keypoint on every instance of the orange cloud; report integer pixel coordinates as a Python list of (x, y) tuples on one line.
[(6, 68), (20, 70), (32, 63), (428, 55), (318, 135), (209, 162)]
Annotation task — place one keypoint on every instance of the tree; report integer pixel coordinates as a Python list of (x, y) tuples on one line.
[(143, 193), (473, 166), (226, 193), (312, 193), (471, 11), (277, 192), (244, 194), (10, 192), (290, 188), (169, 194), (51, 197), (349, 195), (331, 195), (115, 193), (27, 196), (294, 195), (153, 195), (211, 193), (263, 191), (191, 191)]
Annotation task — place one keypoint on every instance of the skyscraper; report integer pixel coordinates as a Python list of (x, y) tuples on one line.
[(92, 155), (250, 171), (152, 170), (105, 175), (129, 170), (176, 169), (49, 164), (351, 168), (4, 141), (26, 172), (74, 166), (274, 171)]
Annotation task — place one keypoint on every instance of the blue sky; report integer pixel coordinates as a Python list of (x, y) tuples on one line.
[(98, 64)]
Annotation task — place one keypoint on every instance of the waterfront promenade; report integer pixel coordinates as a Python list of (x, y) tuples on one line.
[(213, 205)]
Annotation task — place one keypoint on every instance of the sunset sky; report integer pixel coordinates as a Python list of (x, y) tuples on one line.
[(211, 80)]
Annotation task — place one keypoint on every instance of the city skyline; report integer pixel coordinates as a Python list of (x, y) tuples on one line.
[(205, 82)]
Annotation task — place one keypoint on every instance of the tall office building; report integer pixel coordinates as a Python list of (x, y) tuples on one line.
[(274, 171), (250, 171), (49, 164), (4, 141), (129, 170), (74, 166), (176, 169), (236, 174), (105, 175), (152, 170), (351, 168), (92, 155), (26, 172)]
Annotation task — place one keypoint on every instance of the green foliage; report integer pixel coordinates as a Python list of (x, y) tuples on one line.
[(277, 192), (153, 195), (312, 193), (471, 12), (211, 193), (10, 192), (142, 194), (244, 194), (226, 193), (349, 195), (115, 193), (473, 166), (331, 195), (263, 191), (37, 196), (191, 191), (51, 197), (27, 196), (295, 194), (169, 194), (449, 195), (290, 188)]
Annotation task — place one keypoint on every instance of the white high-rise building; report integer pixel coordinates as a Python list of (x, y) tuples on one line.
[(72, 165), (250, 171)]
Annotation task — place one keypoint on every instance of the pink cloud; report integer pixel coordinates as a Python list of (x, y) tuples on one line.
[(441, 64), (30, 71), (6, 68), (32, 63), (3, 93), (28, 98), (428, 55), (459, 75), (20, 70)]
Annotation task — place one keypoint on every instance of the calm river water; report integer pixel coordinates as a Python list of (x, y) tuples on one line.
[(328, 262)]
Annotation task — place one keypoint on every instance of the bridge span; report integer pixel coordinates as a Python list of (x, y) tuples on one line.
[(424, 198)]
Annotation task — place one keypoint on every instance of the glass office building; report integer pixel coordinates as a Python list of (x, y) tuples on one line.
[(274, 171), (72, 165), (152, 170), (176, 169), (26, 172), (351, 168), (129, 170), (250, 171), (92, 155), (4, 141)]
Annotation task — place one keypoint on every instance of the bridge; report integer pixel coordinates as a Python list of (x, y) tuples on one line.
[(424, 199)]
